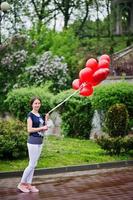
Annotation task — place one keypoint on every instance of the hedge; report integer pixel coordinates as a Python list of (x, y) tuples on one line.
[(107, 95), (13, 138), (18, 101), (77, 114)]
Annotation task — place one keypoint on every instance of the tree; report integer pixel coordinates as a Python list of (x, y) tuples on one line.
[(108, 4), (47, 67), (97, 20), (15, 20), (12, 62), (25, 13), (67, 8), (83, 15), (44, 11)]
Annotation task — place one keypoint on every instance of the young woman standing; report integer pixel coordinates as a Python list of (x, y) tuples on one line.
[(36, 127)]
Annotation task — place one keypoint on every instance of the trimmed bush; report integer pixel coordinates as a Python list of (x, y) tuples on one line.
[(116, 145), (18, 101), (76, 115), (13, 137), (109, 94), (116, 120)]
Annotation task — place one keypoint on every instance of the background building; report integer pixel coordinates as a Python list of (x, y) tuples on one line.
[(123, 16)]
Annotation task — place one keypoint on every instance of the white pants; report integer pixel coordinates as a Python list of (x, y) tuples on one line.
[(34, 151)]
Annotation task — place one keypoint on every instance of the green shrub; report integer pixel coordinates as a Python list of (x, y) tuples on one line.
[(116, 145), (116, 120), (13, 139), (109, 94), (18, 100), (130, 125), (76, 115)]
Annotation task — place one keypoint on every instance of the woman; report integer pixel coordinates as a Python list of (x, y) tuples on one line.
[(36, 127)]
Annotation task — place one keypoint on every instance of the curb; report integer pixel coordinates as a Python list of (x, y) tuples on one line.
[(47, 171)]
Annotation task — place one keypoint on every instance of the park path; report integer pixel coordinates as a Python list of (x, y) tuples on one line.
[(103, 184)]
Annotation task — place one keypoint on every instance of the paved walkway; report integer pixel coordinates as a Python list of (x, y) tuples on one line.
[(104, 184)]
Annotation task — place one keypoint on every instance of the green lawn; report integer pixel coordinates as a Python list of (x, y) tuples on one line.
[(64, 152)]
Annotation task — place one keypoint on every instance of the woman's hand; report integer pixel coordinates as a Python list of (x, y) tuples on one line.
[(44, 128), (46, 117)]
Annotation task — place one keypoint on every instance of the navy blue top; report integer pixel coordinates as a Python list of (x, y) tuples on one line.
[(36, 137)]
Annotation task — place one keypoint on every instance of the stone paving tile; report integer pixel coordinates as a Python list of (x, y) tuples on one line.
[(106, 184)]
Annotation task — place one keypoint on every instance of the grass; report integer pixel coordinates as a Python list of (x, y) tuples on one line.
[(65, 152)]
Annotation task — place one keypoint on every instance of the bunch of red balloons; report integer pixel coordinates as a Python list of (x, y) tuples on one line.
[(93, 74)]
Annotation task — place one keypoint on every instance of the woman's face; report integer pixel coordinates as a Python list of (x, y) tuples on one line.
[(36, 105)]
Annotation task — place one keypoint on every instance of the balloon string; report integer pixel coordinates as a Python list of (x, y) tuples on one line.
[(81, 86)]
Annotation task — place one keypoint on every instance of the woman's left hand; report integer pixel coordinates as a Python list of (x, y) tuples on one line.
[(46, 116)]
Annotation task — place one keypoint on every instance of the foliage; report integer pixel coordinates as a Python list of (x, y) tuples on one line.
[(109, 94), (116, 120), (76, 115), (103, 45), (66, 44), (90, 28), (40, 41), (116, 145), (13, 58), (48, 67), (63, 43), (13, 138), (18, 100)]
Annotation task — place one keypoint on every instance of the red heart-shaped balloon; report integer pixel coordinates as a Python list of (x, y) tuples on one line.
[(92, 63), (105, 57), (103, 64), (100, 75), (76, 84), (86, 91), (85, 75)]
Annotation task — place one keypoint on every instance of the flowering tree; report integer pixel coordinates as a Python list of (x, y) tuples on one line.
[(48, 67), (12, 63)]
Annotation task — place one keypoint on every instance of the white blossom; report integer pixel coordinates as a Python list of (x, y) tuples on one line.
[(49, 67), (13, 61)]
